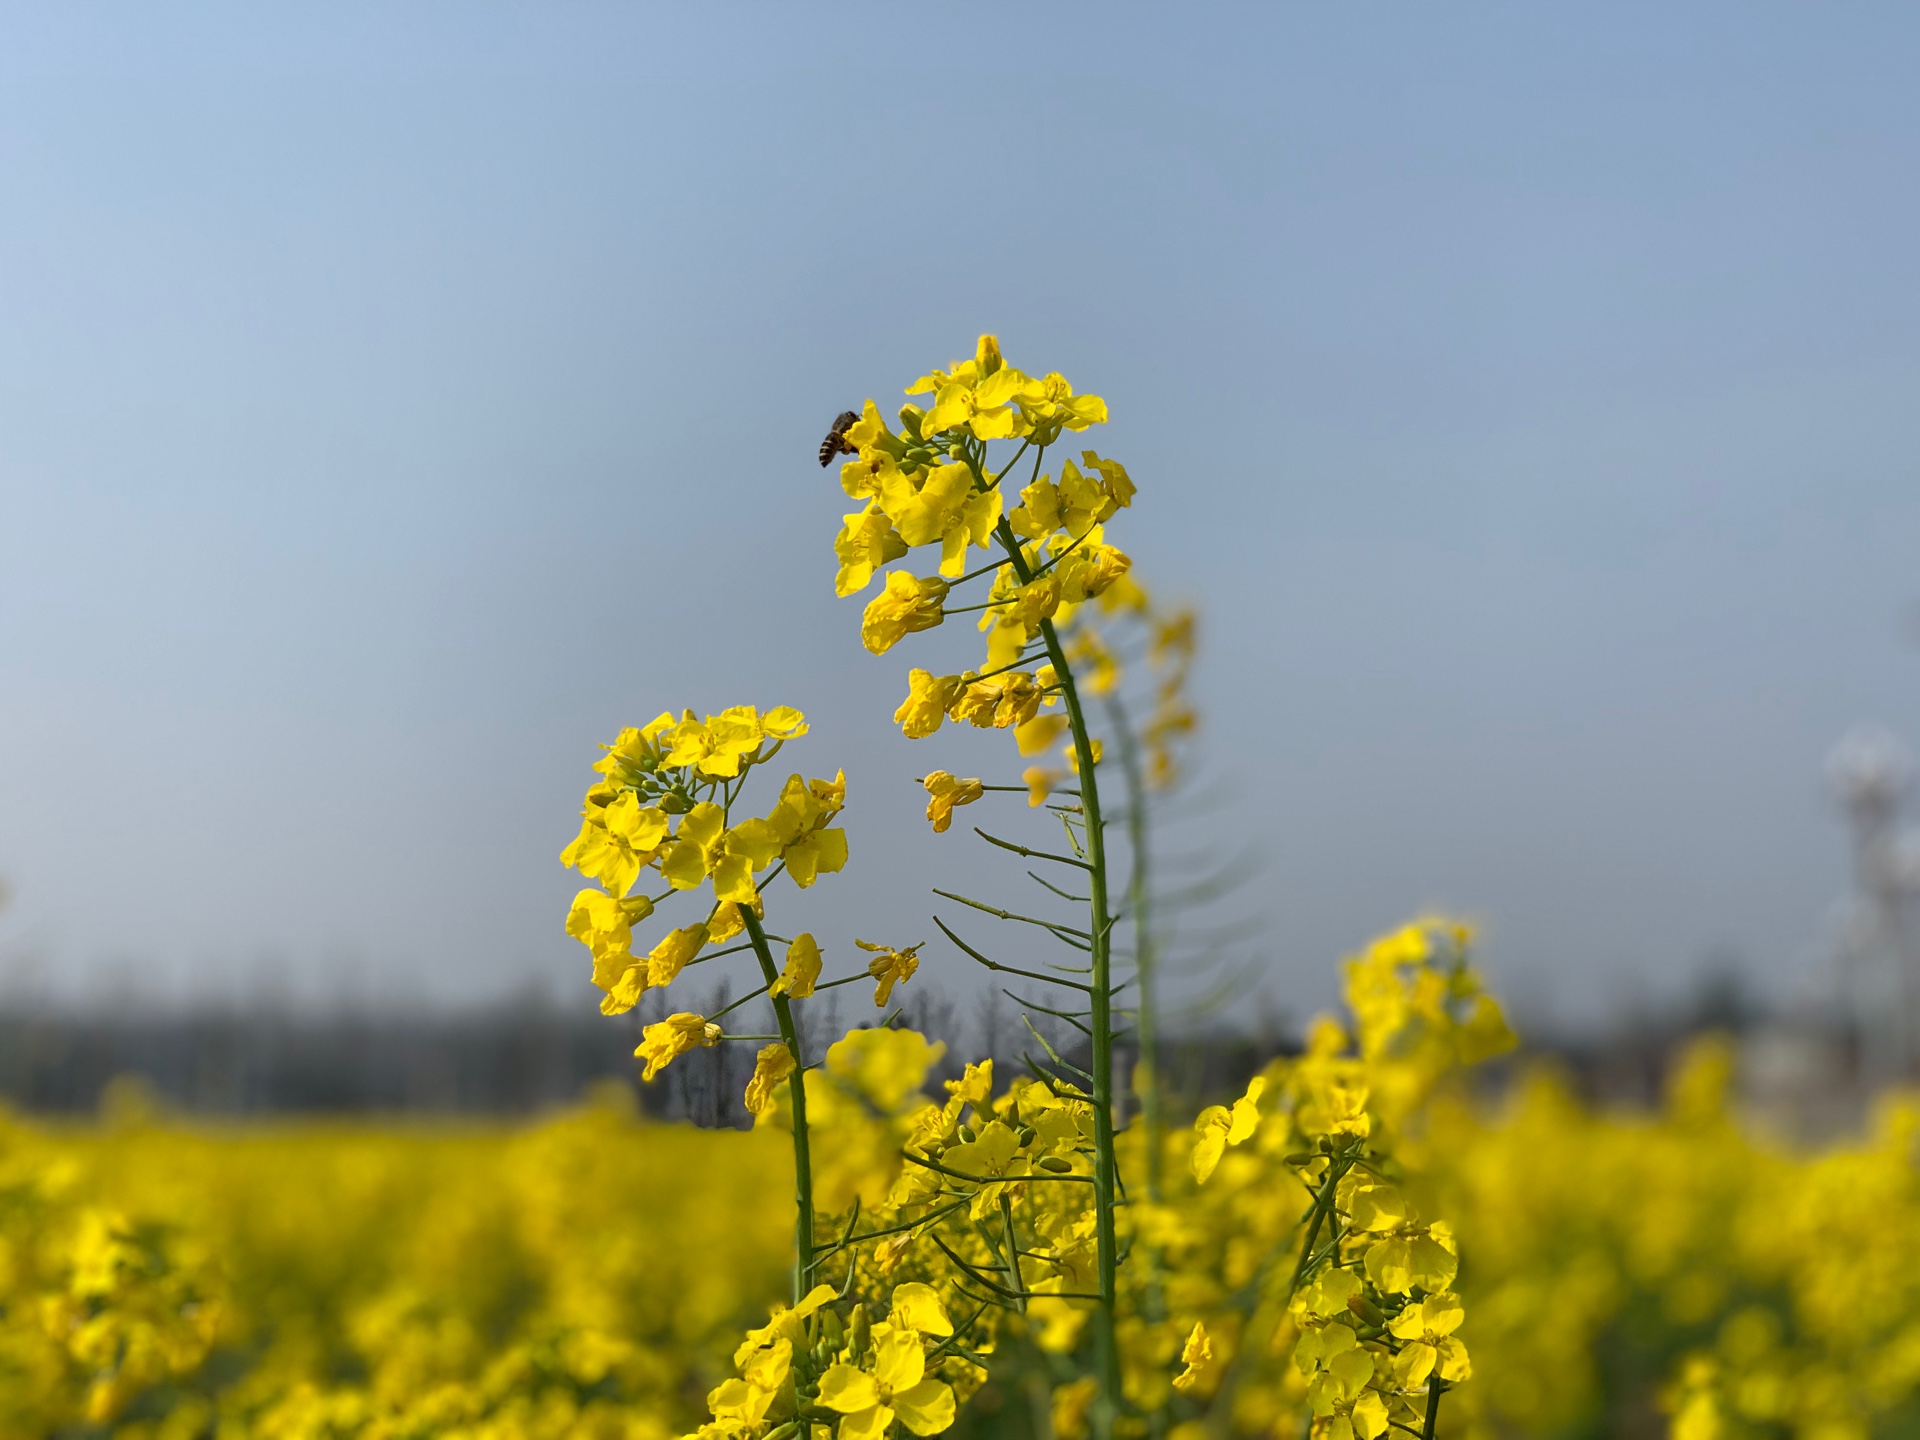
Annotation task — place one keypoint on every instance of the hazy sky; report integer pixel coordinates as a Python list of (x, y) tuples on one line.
[(395, 401)]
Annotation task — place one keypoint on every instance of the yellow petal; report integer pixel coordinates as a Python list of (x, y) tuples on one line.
[(848, 1389), (871, 1424), (899, 1362), (918, 1307), (926, 1408)]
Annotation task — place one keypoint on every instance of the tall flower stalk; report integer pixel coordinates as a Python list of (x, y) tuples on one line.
[(665, 806), (933, 483)]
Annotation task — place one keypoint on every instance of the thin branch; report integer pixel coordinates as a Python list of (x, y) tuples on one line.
[(1007, 969), (1025, 853), (1077, 899), (998, 913), (1046, 1010)]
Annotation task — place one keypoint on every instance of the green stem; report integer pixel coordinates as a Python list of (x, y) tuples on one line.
[(1100, 926), (797, 1091), (1013, 1249), (1146, 1068), (1435, 1388)]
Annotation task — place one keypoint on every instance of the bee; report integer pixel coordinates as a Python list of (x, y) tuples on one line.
[(836, 441)]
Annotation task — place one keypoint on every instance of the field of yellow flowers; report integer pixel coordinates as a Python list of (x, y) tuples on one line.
[(1358, 1243), (590, 1275)]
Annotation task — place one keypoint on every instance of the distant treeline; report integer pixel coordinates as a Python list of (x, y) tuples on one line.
[(523, 1056), (514, 1057)]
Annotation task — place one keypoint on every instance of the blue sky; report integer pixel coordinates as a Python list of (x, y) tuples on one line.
[(396, 400)]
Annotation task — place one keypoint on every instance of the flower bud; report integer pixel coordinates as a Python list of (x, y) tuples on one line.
[(1301, 1157), (860, 1332), (910, 418), (830, 1330), (1366, 1310), (1056, 1165), (967, 1133), (1025, 1135)]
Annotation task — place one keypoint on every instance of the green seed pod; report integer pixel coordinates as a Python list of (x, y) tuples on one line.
[(1056, 1165), (1025, 1135), (967, 1134), (1301, 1157)]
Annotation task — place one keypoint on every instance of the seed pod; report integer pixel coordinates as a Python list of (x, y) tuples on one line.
[(1025, 1134), (1055, 1164), (1301, 1157)]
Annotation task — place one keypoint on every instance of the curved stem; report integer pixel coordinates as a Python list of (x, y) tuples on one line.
[(1100, 926), (797, 1091)]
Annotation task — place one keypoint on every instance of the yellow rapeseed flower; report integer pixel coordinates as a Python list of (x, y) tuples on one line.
[(703, 846), (617, 841), (1428, 1328), (898, 1387), (774, 1064), (1195, 1355), (945, 793), (866, 542), (797, 827), (908, 603), (929, 697), (604, 923), (716, 745), (673, 1037), (802, 969), (890, 967)]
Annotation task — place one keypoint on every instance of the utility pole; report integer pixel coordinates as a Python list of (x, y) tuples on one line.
[(1871, 776)]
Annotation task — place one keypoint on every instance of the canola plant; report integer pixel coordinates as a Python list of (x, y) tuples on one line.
[(1354, 1245)]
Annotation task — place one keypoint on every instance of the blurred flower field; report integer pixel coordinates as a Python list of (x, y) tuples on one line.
[(589, 1275)]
